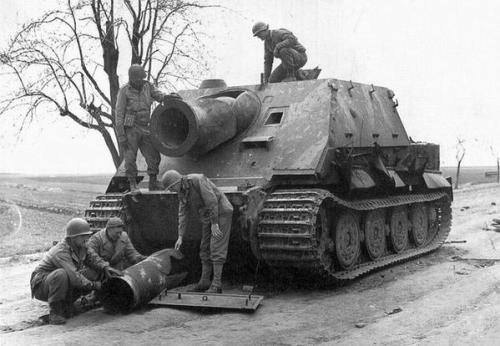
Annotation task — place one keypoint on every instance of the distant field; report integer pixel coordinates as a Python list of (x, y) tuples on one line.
[(35, 209), (471, 175)]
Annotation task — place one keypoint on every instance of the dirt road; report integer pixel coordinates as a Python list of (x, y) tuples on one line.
[(443, 298)]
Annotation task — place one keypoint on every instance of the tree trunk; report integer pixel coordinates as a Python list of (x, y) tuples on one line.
[(110, 57), (498, 170), (117, 160), (458, 174)]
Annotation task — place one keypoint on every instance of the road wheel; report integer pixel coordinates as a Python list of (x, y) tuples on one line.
[(399, 226), (419, 224), (374, 227), (347, 244)]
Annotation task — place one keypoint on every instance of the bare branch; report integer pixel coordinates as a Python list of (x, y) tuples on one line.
[(66, 60)]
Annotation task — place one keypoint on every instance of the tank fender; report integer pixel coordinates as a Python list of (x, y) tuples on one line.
[(254, 202), (121, 184), (435, 181), (360, 179)]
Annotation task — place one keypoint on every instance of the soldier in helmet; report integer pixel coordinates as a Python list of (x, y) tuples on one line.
[(132, 117), (195, 191), (59, 278), (282, 44), (113, 246)]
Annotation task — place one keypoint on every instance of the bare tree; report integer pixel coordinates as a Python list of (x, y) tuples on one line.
[(495, 155), (66, 61), (460, 147)]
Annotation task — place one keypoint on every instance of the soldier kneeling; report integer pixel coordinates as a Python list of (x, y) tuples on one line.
[(60, 278), (113, 246)]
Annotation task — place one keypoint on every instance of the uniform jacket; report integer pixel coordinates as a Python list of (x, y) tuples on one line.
[(118, 255), (199, 193), (64, 256), (281, 38), (133, 107)]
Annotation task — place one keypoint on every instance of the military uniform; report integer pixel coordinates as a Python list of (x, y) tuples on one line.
[(199, 193), (60, 276), (290, 51), (119, 255), (132, 117)]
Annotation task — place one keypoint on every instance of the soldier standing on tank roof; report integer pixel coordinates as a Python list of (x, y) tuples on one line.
[(282, 44), (132, 117), (195, 191)]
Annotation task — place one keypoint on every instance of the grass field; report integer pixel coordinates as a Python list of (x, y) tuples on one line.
[(471, 175), (35, 209)]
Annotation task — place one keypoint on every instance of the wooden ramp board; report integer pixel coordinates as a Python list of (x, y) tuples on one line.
[(247, 302)]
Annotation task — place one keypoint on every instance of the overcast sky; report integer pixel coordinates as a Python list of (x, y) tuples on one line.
[(441, 58)]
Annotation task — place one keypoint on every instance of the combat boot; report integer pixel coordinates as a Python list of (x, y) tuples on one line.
[(154, 184), (204, 283), (216, 286), (56, 313), (300, 75), (87, 302), (133, 185)]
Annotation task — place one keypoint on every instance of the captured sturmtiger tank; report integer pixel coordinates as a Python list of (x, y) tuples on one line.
[(321, 173)]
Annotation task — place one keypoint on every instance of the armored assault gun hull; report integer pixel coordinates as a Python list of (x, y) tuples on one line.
[(321, 173)]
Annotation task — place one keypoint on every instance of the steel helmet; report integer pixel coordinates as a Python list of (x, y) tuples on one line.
[(136, 72), (76, 227), (170, 178), (258, 27)]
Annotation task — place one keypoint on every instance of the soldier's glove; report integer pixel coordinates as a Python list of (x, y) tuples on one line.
[(276, 52), (171, 97), (110, 272)]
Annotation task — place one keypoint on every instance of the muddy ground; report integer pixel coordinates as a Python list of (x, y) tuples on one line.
[(449, 297)]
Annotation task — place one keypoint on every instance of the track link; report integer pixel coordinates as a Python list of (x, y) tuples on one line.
[(102, 208), (289, 231)]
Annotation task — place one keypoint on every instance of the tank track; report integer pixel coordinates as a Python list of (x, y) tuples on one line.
[(102, 208), (287, 233)]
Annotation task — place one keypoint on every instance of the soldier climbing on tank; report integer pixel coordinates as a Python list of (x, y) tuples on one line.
[(61, 276), (132, 117), (282, 44), (195, 191), (113, 246)]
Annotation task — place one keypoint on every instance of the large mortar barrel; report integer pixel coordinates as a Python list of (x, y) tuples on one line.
[(197, 126), (143, 281)]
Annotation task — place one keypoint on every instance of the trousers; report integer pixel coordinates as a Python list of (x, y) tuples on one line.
[(55, 287), (139, 137), (291, 62), (212, 249)]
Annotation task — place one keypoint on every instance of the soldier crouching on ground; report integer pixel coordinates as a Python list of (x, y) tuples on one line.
[(113, 246), (283, 45), (198, 192), (132, 117), (60, 278)]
